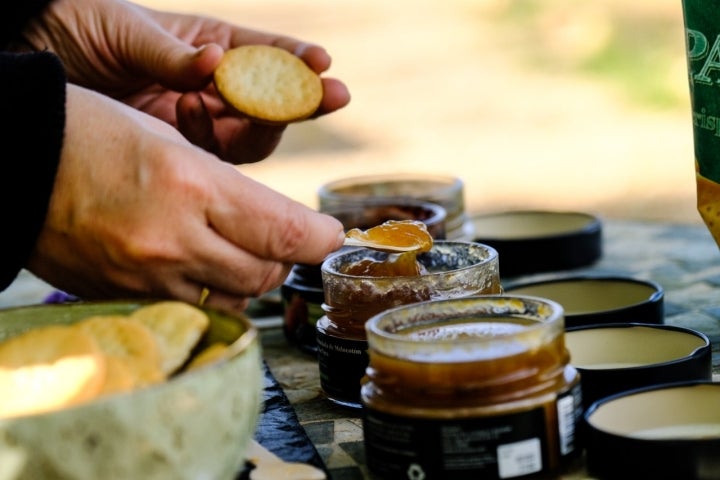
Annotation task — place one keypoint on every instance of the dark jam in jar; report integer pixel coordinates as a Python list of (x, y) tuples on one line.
[(447, 191), (470, 388), (450, 270)]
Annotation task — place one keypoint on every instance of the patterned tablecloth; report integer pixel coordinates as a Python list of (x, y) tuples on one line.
[(683, 259)]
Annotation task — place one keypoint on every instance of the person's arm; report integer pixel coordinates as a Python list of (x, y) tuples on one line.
[(32, 118)]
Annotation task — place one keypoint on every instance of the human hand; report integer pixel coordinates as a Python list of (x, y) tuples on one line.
[(162, 63), (137, 211)]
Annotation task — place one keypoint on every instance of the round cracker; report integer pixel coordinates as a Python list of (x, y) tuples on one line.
[(128, 341), (49, 368), (268, 84), (177, 327), (119, 378)]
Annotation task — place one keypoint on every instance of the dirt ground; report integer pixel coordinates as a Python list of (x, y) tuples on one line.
[(447, 87)]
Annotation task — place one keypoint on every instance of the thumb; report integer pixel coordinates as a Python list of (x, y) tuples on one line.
[(173, 63)]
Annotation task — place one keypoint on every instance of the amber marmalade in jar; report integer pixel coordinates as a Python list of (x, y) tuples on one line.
[(470, 388), (450, 270)]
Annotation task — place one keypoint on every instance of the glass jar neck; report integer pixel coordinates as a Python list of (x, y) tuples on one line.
[(472, 383), (454, 269)]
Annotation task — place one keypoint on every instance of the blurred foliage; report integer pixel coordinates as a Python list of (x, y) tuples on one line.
[(636, 48)]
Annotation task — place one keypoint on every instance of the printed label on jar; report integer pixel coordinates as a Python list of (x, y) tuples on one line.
[(702, 41), (569, 413), (499, 447), (342, 364)]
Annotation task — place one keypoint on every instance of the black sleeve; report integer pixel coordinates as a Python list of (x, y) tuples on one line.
[(32, 122), (14, 15)]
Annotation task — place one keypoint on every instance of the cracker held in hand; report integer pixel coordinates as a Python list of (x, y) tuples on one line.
[(268, 84), (47, 368), (177, 328)]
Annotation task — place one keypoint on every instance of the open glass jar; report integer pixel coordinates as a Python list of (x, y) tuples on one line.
[(302, 291), (447, 191), (454, 269), (476, 387)]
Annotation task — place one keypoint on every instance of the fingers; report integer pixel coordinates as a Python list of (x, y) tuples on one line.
[(315, 56), (195, 123), (233, 292), (224, 276), (249, 238), (180, 66), (250, 142), (217, 299), (228, 303), (281, 229), (335, 96), (234, 139), (173, 63)]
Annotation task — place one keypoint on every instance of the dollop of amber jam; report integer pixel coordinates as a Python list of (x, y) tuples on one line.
[(411, 234)]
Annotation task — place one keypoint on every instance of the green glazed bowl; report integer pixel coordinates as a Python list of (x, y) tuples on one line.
[(196, 425)]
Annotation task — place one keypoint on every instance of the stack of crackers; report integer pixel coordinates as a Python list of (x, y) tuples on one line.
[(57, 366)]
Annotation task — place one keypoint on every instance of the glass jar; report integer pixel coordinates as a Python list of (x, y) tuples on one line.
[(446, 191), (302, 291), (454, 269), (478, 387)]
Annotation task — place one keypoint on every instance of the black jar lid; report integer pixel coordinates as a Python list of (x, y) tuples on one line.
[(668, 431), (597, 299), (534, 241), (617, 357)]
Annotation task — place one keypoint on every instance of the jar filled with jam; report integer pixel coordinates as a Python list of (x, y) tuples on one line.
[(469, 388), (444, 190), (357, 286), (302, 291)]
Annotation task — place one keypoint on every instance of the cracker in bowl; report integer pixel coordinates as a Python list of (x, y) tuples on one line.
[(131, 346), (49, 368), (268, 84), (177, 328)]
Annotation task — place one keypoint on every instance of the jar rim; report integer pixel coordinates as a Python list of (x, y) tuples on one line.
[(435, 212), (447, 184), (475, 306), (492, 257)]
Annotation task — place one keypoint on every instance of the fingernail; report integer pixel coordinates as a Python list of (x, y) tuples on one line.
[(200, 50), (302, 48), (340, 240)]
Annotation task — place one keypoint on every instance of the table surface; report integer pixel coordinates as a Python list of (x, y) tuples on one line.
[(683, 259)]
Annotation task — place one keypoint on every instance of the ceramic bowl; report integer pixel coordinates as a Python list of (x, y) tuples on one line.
[(667, 432), (598, 299), (614, 358), (195, 425), (537, 241)]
